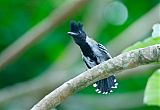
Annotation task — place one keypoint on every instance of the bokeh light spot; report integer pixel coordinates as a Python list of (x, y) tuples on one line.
[(116, 13)]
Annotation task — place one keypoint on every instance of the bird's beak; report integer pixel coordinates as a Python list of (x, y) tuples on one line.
[(72, 34)]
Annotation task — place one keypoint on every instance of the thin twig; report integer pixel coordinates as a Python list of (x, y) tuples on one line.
[(32, 86), (122, 62), (136, 31), (38, 31)]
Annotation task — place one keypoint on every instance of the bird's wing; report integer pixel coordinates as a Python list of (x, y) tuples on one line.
[(103, 49), (90, 63)]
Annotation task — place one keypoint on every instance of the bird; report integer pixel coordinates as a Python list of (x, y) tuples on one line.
[(93, 53)]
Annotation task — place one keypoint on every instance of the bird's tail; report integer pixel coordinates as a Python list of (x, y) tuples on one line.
[(106, 85)]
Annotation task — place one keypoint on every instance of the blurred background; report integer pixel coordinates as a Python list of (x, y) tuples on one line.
[(37, 55)]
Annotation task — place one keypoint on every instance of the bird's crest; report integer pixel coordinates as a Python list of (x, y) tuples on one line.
[(76, 27)]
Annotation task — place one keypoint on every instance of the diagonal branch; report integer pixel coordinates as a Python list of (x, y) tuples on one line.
[(136, 31), (122, 62), (37, 32)]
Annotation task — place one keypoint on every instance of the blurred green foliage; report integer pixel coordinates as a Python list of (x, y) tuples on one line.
[(152, 91), (18, 16), (141, 44)]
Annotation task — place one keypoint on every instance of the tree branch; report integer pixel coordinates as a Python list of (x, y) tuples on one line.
[(144, 24), (122, 62), (37, 32)]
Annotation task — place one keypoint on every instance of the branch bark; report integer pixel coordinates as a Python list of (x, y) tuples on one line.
[(122, 62)]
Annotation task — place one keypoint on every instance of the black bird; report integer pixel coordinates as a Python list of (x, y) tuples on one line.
[(93, 53)]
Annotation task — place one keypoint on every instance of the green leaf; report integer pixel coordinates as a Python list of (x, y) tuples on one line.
[(152, 90), (141, 44)]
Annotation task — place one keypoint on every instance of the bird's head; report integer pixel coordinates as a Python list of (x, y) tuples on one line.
[(77, 32)]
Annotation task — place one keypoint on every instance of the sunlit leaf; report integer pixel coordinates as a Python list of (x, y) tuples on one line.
[(156, 30), (147, 42), (152, 91)]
